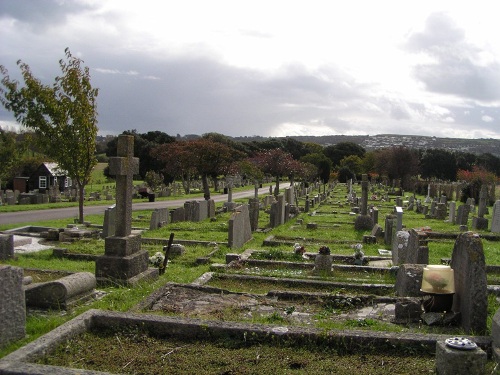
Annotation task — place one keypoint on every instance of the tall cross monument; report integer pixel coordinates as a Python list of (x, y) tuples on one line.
[(123, 262)]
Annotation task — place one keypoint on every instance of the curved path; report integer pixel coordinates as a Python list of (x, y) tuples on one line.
[(68, 212)]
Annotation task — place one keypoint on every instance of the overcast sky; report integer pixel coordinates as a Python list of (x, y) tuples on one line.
[(271, 68)]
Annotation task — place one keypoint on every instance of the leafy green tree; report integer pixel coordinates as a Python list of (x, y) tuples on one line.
[(321, 162), (63, 116), (211, 159), (342, 149), (489, 162), (143, 146), (153, 180), (10, 155), (275, 162), (438, 163), (353, 163), (176, 160), (397, 162)]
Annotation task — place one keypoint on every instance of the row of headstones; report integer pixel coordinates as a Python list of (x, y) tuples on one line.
[(191, 211), (52, 195)]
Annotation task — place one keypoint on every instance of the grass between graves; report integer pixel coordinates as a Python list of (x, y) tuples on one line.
[(334, 230)]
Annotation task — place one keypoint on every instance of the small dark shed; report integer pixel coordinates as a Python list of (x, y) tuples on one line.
[(47, 175)]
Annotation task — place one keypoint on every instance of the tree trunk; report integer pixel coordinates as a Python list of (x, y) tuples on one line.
[(80, 202), (216, 183), (277, 188), (186, 184), (206, 188)]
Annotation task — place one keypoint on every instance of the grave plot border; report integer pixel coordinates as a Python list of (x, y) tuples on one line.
[(21, 361)]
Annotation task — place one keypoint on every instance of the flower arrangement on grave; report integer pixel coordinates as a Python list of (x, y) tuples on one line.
[(324, 250), (438, 279), (299, 249), (358, 251), (157, 259)]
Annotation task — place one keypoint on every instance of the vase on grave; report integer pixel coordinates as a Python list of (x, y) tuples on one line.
[(438, 284)]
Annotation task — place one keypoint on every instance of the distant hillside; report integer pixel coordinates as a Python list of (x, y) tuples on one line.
[(373, 142)]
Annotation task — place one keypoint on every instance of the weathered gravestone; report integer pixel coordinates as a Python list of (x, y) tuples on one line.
[(240, 230), (495, 221), (452, 208), (463, 214), (471, 297), (159, 218), (254, 210), (124, 262), (389, 229), (399, 217), (6, 246), (196, 210), (374, 215), (407, 248), (480, 222), (108, 226), (277, 215), (409, 280), (178, 215), (13, 307)]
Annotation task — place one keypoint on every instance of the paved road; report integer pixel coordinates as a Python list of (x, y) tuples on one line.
[(62, 213)]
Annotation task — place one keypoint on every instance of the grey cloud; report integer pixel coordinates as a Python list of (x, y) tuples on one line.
[(196, 95), (455, 70), (41, 13)]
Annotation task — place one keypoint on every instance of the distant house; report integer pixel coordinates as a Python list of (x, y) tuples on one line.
[(47, 175)]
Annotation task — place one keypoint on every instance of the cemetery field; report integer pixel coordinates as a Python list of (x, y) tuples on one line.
[(265, 281)]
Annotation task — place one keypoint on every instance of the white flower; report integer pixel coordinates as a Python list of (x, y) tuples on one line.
[(157, 259)]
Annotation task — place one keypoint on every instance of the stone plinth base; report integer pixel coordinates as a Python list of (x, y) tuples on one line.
[(121, 269), (457, 362), (149, 274)]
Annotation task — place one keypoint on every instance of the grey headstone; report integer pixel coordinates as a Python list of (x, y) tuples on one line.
[(253, 207), (108, 227), (463, 214), (13, 307), (390, 229), (178, 215), (495, 220), (6, 246), (471, 298), (400, 247), (452, 212), (240, 230), (409, 280)]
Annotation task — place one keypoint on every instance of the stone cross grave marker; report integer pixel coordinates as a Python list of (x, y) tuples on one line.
[(124, 262), (124, 166)]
